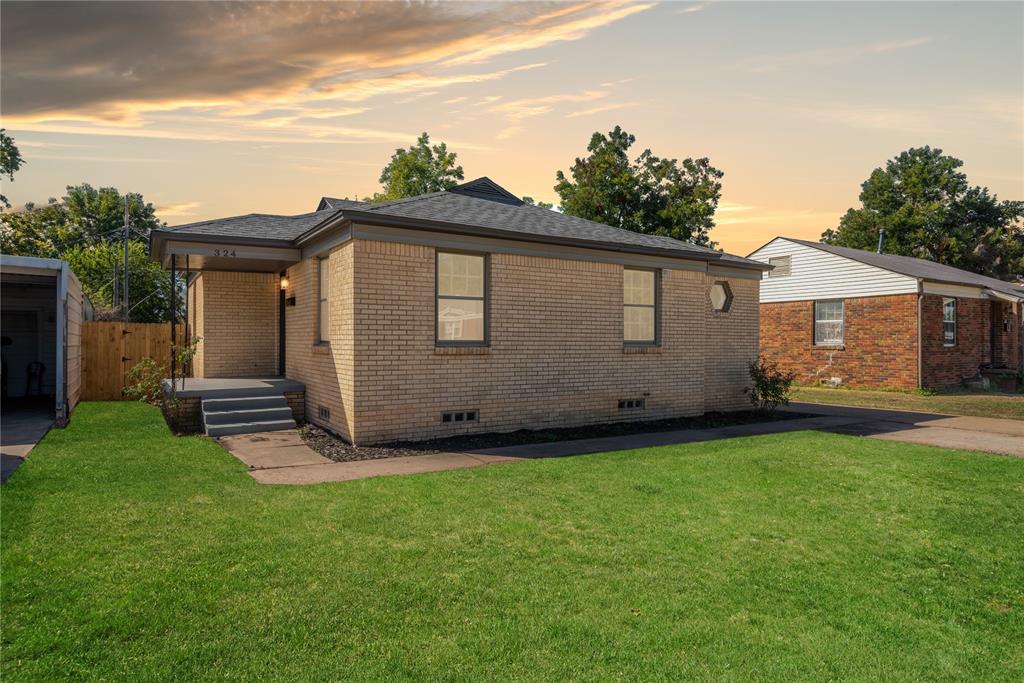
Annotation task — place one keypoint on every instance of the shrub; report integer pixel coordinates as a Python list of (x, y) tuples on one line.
[(771, 385), (145, 382)]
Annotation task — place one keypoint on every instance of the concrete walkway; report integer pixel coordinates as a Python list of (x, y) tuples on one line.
[(283, 458), (989, 434), (19, 433)]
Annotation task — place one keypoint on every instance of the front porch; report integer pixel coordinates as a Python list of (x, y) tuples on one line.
[(235, 405)]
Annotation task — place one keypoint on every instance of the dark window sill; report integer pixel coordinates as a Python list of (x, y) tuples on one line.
[(467, 350), (641, 348)]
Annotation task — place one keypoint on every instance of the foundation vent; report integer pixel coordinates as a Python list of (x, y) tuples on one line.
[(632, 403), (460, 416), (324, 412)]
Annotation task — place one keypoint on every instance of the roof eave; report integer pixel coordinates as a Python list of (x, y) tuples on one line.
[(372, 218)]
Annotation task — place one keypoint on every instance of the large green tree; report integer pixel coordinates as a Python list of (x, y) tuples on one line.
[(10, 161), (650, 194), (420, 169), (85, 228), (148, 283), (929, 210)]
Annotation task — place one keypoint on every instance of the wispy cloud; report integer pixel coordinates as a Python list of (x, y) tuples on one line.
[(177, 209), (829, 56), (92, 67), (695, 7), (600, 109)]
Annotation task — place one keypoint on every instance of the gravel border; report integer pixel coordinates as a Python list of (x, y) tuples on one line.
[(339, 450)]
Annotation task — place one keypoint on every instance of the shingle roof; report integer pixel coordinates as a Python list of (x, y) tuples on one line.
[(477, 204), (257, 225), (915, 267), (452, 207), (334, 203)]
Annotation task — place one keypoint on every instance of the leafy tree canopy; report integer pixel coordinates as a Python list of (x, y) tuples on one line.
[(85, 229), (148, 283), (649, 194), (530, 201), (418, 170), (928, 210), (10, 161)]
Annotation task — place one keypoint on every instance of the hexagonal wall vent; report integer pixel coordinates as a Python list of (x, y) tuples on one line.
[(721, 296)]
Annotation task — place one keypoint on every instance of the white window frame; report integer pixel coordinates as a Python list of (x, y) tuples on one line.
[(841, 319), (946, 301), (323, 300)]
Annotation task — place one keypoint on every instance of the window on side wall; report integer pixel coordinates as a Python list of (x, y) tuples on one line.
[(640, 307), (948, 322), (828, 323), (323, 316), (461, 299), (782, 266)]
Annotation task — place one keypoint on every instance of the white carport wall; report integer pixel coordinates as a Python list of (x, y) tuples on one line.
[(70, 308)]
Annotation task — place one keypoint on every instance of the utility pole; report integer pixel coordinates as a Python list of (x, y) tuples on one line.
[(115, 299), (125, 289)]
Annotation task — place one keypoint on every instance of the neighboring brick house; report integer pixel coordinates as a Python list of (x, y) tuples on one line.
[(834, 314), (467, 311)]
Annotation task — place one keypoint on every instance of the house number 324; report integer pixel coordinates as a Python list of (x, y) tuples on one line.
[(224, 252)]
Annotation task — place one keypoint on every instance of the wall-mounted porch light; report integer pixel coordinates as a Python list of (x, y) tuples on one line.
[(284, 282)]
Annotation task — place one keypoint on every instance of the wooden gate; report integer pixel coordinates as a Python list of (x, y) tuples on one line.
[(110, 349)]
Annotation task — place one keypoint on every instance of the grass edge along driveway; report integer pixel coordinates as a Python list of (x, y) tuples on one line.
[(947, 403), (128, 553)]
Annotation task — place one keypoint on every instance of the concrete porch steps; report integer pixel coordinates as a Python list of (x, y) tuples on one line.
[(246, 414)]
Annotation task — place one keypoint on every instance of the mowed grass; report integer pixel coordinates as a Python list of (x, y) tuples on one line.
[(130, 554), (949, 403)]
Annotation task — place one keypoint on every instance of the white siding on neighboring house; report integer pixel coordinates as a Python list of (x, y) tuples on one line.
[(816, 274)]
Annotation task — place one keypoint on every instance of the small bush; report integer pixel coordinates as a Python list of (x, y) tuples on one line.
[(771, 385), (145, 382)]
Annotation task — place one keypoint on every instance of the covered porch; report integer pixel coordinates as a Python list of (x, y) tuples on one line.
[(234, 304)]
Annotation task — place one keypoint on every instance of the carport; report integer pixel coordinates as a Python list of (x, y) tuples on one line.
[(41, 313)]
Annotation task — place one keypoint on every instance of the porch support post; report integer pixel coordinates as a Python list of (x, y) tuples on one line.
[(188, 339), (174, 337), (280, 328)]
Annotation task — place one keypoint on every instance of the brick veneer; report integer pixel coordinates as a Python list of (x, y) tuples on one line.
[(881, 339), (556, 355), (235, 314), (879, 349)]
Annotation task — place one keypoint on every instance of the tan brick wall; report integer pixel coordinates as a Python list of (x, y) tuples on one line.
[(556, 356), (195, 323), (879, 349), (236, 316), (326, 370)]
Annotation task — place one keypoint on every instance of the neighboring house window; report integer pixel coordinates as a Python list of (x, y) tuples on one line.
[(782, 266), (323, 273), (949, 322), (461, 299), (828, 322), (640, 306)]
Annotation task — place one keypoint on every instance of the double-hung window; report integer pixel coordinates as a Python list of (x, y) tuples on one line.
[(323, 316), (640, 306), (828, 323), (949, 322), (461, 299)]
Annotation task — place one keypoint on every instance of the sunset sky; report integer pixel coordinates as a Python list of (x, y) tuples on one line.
[(217, 110)]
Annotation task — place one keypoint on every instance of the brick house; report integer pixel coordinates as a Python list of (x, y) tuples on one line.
[(463, 311), (879, 320)]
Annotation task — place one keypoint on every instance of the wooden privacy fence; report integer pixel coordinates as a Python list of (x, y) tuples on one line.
[(110, 349)]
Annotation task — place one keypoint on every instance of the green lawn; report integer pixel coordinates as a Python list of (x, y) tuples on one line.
[(949, 403), (131, 554)]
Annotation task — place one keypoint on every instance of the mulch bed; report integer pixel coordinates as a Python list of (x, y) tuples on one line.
[(339, 450)]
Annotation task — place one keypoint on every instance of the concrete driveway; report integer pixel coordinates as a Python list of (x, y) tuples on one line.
[(19, 433), (993, 435)]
